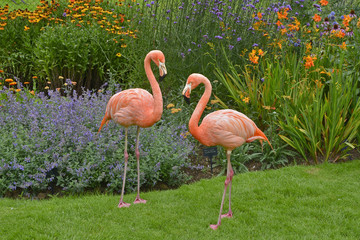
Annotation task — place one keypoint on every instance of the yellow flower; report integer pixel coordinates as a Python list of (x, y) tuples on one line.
[(170, 106), (61, 77), (123, 45), (185, 134), (118, 54), (175, 110), (46, 87), (32, 92), (26, 28), (246, 100)]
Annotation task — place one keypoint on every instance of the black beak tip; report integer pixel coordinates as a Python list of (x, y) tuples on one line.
[(162, 77), (187, 100)]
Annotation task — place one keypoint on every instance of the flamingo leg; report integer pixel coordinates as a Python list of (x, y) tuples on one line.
[(230, 174), (228, 180), (138, 199), (126, 156)]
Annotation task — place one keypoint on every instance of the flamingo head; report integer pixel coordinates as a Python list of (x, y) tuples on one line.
[(159, 59), (192, 82)]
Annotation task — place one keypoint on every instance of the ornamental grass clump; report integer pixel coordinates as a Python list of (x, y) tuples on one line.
[(49, 142)]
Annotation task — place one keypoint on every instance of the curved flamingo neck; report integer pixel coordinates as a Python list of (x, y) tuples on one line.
[(194, 127), (158, 101)]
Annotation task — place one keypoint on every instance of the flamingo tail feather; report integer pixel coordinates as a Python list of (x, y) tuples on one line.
[(259, 135)]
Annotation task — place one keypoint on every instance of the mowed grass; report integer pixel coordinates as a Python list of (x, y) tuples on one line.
[(314, 202)]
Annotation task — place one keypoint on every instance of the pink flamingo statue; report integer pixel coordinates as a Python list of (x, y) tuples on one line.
[(137, 107), (227, 128)]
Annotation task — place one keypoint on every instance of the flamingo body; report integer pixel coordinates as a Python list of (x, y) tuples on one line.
[(132, 107), (227, 128)]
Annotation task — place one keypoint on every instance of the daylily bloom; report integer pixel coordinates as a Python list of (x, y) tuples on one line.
[(317, 18)]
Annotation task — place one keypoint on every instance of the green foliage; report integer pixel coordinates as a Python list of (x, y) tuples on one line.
[(75, 52), (328, 124)]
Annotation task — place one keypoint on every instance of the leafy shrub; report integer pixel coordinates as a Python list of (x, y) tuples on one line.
[(49, 140)]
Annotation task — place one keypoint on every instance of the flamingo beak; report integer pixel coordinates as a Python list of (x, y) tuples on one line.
[(186, 93), (162, 70)]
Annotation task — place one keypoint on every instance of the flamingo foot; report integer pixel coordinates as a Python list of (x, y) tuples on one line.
[(227, 215), (139, 200), (123, 204), (214, 226)]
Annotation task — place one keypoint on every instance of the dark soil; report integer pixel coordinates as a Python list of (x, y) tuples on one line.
[(205, 173), (195, 174)]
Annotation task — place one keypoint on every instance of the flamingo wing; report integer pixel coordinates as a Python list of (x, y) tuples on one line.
[(131, 107), (228, 128)]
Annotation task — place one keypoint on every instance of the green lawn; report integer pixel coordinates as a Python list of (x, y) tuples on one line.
[(315, 202)]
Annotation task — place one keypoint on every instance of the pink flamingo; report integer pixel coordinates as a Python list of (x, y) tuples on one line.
[(137, 107), (227, 128)]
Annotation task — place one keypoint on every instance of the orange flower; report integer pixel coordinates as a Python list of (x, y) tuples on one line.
[(253, 58), (261, 52), (18, 90), (343, 46), (34, 77), (9, 80), (317, 18), (1, 71), (259, 15), (278, 23), (12, 83), (308, 47), (283, 14), (26, 83), (295, 26), (283, 31), (309, 61), (323, 2), (346, 20)]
